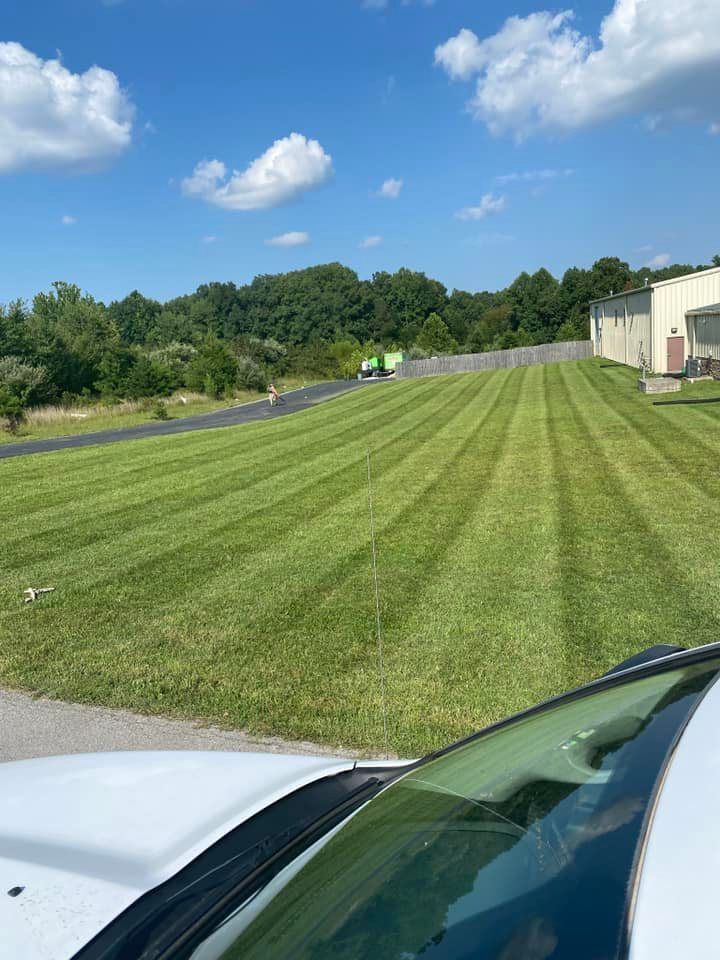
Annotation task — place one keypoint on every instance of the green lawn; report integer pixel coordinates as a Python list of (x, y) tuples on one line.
[(535, 526)]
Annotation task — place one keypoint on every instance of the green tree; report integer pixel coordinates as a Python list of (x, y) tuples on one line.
[(572, 329), (464, 310), (134, 316), (412, 297), (213, 369), (13, 330), (149, 378), (435, 336), (172, 326), (610, 275), (113, 370), (491, 325), (536, 305), (70, 333)]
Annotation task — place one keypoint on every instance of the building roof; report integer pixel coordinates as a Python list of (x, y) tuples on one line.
[(712, 310), (658, 283)]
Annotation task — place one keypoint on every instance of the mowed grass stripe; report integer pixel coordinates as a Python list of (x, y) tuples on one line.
[(660, 575), (141, 456), (231, 524), (162, 677), (672, 451), (236, 469), (463, 633), (342, 523), (534, 525)]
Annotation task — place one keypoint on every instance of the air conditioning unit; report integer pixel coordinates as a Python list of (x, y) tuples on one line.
[(694, 368)]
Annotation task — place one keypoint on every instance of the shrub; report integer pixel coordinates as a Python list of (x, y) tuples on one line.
[(313, 359), (174, 355), (213, 368), (159, 411), (148, 378), (11, 410), (21, 379), (250, 375), (351, 365), (417, 353), (211, 388)]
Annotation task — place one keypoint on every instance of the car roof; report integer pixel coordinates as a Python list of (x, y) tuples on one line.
[(673, 912)]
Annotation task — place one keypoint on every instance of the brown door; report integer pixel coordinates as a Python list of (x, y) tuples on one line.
[(675, 354)]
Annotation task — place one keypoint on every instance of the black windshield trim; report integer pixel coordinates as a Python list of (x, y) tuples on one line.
[(108, 943), (158, 919), (182, 949)]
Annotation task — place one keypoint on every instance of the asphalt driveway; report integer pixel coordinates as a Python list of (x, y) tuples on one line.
[(295, 400), (31, 727)]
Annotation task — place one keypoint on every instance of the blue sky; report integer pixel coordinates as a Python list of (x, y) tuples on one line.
[(538, 141)]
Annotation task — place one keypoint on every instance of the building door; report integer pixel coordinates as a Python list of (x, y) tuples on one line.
[(675, 354)]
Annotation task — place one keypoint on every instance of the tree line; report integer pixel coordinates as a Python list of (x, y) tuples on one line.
[(317, 322)]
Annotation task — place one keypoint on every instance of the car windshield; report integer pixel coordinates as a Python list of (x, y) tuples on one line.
[(516, 846)]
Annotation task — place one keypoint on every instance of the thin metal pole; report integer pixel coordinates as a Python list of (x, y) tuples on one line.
[(378, 618)]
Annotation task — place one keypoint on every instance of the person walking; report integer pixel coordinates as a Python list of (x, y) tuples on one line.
[(273, 395)]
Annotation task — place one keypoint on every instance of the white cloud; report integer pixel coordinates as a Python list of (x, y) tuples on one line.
[(51, 118), (533, 176), (714, 129), (391, 189), (460, 57), (658, 262), (288, 168), (296, 238), (209, 239), (539, 73), (489, 205), (68, 221), (369, 242)]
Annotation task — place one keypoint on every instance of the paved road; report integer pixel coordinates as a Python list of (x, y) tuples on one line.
[(42, 728), (296, 400)]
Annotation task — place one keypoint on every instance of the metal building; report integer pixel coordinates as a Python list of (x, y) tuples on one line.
[(704, 332), (660, 324)]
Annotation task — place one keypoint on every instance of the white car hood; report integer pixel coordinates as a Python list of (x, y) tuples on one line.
[(86, 835)]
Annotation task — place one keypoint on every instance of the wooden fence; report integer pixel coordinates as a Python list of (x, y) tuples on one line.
[(496, 359)]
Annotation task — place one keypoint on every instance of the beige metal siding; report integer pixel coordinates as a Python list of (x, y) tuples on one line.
[(707, 335), (625, 327), (671, 301), (638, 314)]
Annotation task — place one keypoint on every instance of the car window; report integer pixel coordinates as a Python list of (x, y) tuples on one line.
[(515, 846)]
